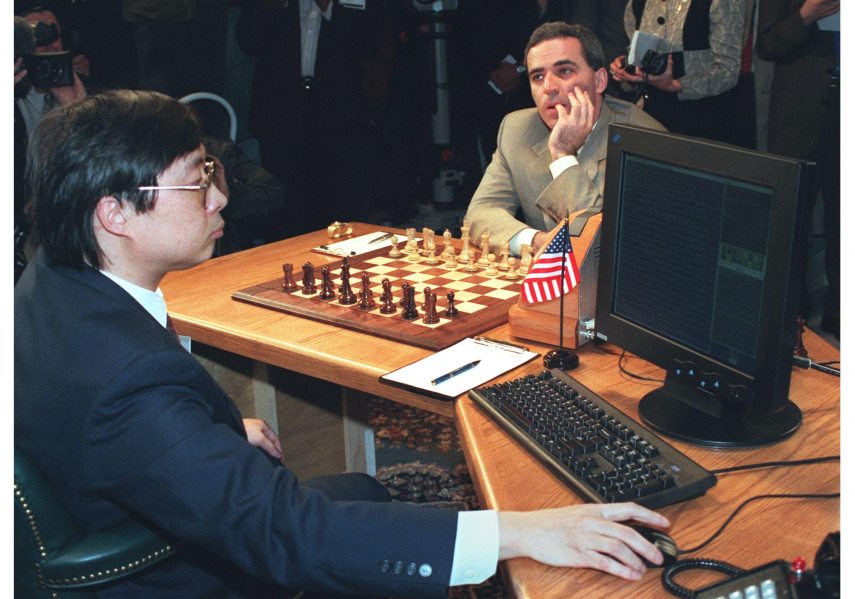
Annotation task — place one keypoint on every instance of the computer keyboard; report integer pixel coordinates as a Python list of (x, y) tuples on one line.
[(598, 451)]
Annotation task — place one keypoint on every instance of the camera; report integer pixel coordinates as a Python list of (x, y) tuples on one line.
[(653, 63), (44, 33), (52, 69)]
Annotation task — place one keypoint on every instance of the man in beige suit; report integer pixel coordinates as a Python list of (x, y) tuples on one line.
[(551, 159)]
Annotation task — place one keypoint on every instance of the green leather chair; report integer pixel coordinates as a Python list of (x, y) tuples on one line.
[(54, 558)]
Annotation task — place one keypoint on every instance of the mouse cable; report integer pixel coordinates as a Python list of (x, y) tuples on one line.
[(805, 462), (719, 566), (755, 498), (682, 565), (805, 362), (632, 374)]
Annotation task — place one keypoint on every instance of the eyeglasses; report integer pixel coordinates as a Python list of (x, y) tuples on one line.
[(208, 172)]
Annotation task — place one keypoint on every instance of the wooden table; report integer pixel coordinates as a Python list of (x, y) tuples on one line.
[(201, 306), (505, 476), (508, 478)]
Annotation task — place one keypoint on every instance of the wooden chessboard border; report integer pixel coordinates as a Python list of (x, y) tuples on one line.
[(435, 337)]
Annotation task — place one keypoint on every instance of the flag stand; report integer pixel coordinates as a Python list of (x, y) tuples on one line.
[(563, 358), (537, 321)]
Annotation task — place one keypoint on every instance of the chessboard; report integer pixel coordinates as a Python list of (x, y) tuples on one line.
[(482, 301)]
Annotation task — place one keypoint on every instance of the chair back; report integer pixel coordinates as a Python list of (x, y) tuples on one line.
[(53, 553)]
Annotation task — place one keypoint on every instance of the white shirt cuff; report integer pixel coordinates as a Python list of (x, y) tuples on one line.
[(476, 548), (562, 164), (524, 237)]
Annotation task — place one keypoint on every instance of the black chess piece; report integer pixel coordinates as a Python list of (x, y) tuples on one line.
[(309, 286), (430, 317), (345, 273), (404, 286), (450, 309), (327, 287), (288, 282), (410, 312), (366, 301), (387, 299), (346, 296)]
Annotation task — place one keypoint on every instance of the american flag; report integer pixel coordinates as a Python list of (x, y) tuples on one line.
[(542, 283)]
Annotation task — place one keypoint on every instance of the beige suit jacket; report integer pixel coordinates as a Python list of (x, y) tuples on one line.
[(519, 175)]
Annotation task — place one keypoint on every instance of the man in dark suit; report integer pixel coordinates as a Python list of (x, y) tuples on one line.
[(804, 114), (308, 110), (126, 423)]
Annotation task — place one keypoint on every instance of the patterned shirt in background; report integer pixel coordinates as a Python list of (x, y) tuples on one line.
[(708, 72)]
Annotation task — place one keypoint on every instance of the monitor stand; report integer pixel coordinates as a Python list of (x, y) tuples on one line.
[(673, 418)]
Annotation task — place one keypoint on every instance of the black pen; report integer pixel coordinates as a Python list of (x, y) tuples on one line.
[(380, 238), (455, 372)]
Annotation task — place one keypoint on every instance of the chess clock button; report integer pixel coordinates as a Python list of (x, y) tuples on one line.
[(425, 570)]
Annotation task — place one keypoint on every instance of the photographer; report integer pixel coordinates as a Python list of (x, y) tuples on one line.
[(692, 89), (54, 82), (38, 93)]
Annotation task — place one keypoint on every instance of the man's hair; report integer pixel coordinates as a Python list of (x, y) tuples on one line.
[(105, 145), (591, 47)]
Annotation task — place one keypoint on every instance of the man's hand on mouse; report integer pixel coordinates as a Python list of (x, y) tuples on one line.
[(583, 536)]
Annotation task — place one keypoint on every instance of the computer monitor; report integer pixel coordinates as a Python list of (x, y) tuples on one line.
[(701, 269)]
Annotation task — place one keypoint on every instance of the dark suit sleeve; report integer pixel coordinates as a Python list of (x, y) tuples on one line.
[(171, 454), (780, 29), (260, 26)]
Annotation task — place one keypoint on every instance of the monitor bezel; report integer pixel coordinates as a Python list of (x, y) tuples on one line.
[(769, 385)]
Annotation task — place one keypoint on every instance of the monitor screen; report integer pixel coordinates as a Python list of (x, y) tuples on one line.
[(700, 270)]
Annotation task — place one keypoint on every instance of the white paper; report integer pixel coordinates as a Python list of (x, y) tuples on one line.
[(496, 359), (830, 23), (359, 245), (641, 43)]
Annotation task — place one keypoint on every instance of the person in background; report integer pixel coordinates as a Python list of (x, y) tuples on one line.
[(551, 160), (695, 94), (804, 113), (308, 110), (123, 193)]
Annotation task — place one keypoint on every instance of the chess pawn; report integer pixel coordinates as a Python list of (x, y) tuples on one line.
[(394, 252), (512, 274), (525, 260), (506, 252), (471, 265), (492, 271), (451, 260), (327, 286), (431, 256), (450, 309), (413, 255)]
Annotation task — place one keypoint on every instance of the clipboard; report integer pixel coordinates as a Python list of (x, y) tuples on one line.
[(496, 358), (357, 245)]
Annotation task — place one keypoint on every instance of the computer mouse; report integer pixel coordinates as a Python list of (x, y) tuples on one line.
[(666, 545)]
